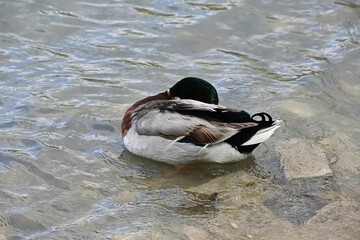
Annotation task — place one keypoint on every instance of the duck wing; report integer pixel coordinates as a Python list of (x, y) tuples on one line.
[(186, 120)]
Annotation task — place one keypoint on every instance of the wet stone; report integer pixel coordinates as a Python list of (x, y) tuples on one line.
[(253, 221), (349, 161), (300, 109), (301, 159), (339, 154), (211, 189), (296, 209), (195, 233), (2, 234), (339, 219)]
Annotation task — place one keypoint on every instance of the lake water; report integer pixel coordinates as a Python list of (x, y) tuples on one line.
[(70, 69)]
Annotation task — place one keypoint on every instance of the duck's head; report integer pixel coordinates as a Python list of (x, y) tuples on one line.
[(195, 89)]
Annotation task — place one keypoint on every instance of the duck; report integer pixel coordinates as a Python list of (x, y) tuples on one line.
[(185, 124)]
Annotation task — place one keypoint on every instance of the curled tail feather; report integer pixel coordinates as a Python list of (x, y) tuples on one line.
[(268, 127)]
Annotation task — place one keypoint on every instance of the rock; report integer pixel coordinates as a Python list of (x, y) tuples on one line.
[(127, 196), (254, 221), (350, 88), (211, 189), (234, 225), (300, 109), (194, 233), (156, 233), (338, 220), (293, 207), (301, 159), (249, 235), (349, 161), (2, 234), (344, 153)]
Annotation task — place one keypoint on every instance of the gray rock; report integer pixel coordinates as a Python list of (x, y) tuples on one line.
[(195, 233), (224, 185), (301, 109), (301, 159), (338, 220)]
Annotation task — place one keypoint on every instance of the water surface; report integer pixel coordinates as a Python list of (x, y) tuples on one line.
[(69, 70)]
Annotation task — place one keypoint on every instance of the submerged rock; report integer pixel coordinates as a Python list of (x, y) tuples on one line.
[(195, 233), (339, 220), (300, 109), (296, 208), (301, 159), (211, 189)]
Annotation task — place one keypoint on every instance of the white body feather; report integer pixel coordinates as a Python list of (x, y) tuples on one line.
[(177, 153)]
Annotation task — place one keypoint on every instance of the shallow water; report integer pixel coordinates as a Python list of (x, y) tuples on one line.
[(69, 70)]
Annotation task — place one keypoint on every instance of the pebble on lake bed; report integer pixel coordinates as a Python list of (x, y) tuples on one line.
[(301, 159), (234, 225)]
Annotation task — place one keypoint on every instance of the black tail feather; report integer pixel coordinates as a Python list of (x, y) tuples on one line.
[(237, 140), (266, 119)]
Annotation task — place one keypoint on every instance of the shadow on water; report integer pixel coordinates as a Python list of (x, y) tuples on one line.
[(153, 176), (189, 175)]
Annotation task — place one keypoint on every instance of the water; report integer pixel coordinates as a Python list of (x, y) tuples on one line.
[(69, 70)]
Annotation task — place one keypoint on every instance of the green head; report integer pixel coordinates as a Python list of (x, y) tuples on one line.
[(195, 89)]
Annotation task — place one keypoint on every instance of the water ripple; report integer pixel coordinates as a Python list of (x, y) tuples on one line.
[(70, 70)]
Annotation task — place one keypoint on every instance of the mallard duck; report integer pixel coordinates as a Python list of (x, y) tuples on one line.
[(186, 124)]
